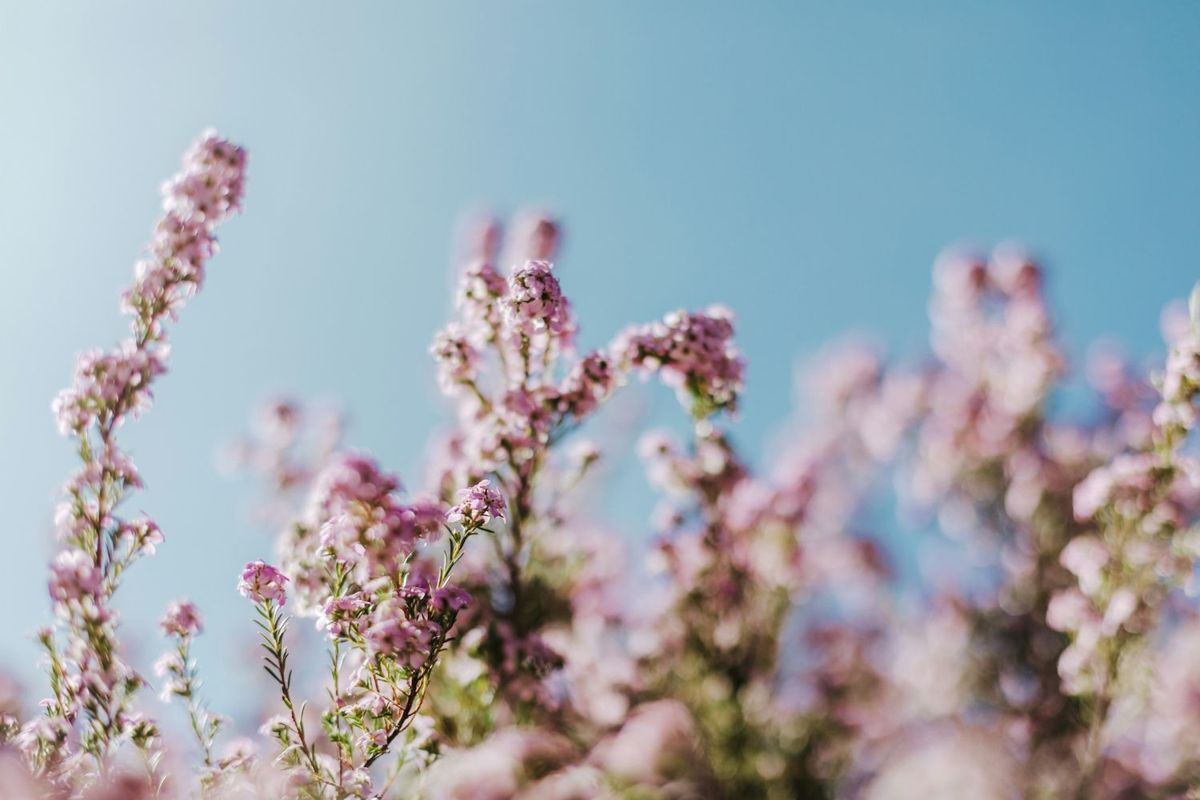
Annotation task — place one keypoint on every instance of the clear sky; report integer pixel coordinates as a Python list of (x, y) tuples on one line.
[(802, 163)]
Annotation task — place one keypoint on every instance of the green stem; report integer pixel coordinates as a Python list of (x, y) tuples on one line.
[(277, 668)]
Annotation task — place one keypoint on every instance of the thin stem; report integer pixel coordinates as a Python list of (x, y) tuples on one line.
[(277, 668)]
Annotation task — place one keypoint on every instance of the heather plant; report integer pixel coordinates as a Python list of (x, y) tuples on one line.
[(487, 635)]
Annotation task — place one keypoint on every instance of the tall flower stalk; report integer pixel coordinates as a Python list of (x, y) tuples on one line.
[(90, 711)]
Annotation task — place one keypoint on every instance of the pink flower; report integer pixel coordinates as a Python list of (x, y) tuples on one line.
[(1069, 610), (450, 598), (457, 359), (350, 478), (693, 353), (1121, 606), (589, 382), (109, 386), (182, 619), (1092, 493), (1085, 557), (535, 302), (361, 521), (73, 576), (478, 505), (195, 201), (261, 582), (342, 615), (143, 534), (407, 641), (479, 292), (1128, 477)]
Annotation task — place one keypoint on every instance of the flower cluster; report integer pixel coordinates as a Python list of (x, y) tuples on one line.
[(263, 583), (1139, 510), (478, 505), (694, 353), (535, 304), (181, 619), (507, 362)]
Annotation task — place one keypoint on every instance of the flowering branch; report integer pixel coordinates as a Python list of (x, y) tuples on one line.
[(182, 623), (109, 388)]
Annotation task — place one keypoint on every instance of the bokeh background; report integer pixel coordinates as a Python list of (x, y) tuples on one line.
[(802, 163)]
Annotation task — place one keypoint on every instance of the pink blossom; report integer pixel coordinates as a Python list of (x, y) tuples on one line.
[(143, 534), (535, 303), (261, 583), (108, 386), (1068, 611), (587, 385), (73, 577), (450, 598), (182, 619), (693, 353), (350, 478), (1120, 608), (479, 291), (1086, 556), (343, 615), (478, 505), (407, 641), (360, 520), (1125, 481), (457, 359), (534, 235)]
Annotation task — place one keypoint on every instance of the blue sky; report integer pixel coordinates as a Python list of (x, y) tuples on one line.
[(802, 163)]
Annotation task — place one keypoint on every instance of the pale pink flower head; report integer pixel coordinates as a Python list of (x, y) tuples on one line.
[(1182, 377), (589, 383), (407, 641), (478, 505), (182, 619), (142, 533), (262, 582), (1092, 493), (73, 576), (342, 616), (1085, 557), (426, 515), (211, 184), (1120, 608), (1014, 272), (350, 479), (457, 358), (108, 385), (692, 353), (450, 598), (478, 301), (535, 302), (1068, 611), (1126, 482)]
